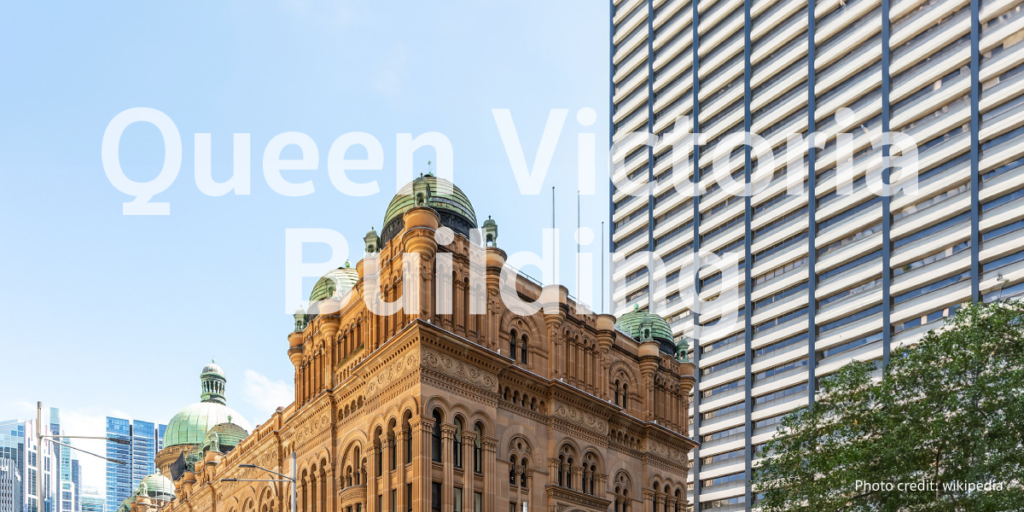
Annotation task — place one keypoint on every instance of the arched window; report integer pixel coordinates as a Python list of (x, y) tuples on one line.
[(523, 351), (457, 445), (407, 430), (522, 477), (378, 452), (512, 470), (392, 447), (625, 395), (436, 437), (568, 473), (478, 452), (512, 345), (593, 477), (358, 465), (618, 386), (561, 476)]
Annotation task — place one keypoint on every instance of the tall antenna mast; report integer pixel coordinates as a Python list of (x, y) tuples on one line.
[(554, 241)]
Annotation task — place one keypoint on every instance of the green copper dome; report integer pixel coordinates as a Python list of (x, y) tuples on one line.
[(126, 505), (341, 280), (213, 369), (224, 436), (642, 325), (159, 487), (190, 425), (454, 207)]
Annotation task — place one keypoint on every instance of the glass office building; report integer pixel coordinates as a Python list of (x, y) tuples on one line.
[(145, 440), (12, 466), (837, 273), (50, 470)]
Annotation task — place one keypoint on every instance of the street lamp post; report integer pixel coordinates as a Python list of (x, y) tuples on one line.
[(284, 478), (40, 437)]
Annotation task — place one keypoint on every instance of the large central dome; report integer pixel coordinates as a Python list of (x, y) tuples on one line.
[(190, 425), (450, 202)]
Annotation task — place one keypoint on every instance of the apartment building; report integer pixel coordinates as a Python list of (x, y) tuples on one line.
[(834, 273)]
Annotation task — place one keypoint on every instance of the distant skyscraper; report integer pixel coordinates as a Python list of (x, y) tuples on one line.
[(146, 439), (76, 480), (50, 459), (12, 453), (10, 486), (92, 502), (12, 443), (68, 489)]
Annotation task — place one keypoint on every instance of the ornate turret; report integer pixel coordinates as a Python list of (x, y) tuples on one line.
[(372, 241), (300, 320), (683, 349), (214, 383), (490, 232)]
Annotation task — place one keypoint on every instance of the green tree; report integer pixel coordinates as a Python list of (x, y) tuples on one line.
[(948, 410)]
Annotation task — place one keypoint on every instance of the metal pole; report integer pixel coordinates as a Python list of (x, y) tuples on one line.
[(602, 268), (295, 482), (39, 457)]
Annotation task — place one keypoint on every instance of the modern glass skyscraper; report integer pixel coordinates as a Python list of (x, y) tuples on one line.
[(146, 439), (12, 444), (48, 461), (10, 486), (91, 500), (827, 276)]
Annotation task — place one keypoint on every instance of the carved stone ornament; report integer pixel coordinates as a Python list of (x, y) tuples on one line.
[(583, 419), (464, 372), (389, 374)]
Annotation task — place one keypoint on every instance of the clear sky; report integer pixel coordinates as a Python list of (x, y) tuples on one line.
[(111, 314)]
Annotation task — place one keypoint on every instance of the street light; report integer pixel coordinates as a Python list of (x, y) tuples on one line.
[(40, 437), (284, 478)]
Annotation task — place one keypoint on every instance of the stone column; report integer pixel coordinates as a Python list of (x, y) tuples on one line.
[(448, 486), (468, 439), (330, 489), (371, 477), (648, 500), (304, 496), (490, 445), (400, 445), (555, 362), (385, 487), (422, 464)]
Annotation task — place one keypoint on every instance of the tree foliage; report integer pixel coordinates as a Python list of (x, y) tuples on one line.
[(947, 412)]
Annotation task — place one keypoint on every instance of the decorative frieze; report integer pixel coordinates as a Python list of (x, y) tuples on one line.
[(581, 418)]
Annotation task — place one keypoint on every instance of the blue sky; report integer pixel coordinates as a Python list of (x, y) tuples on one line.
[(104, 312)]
